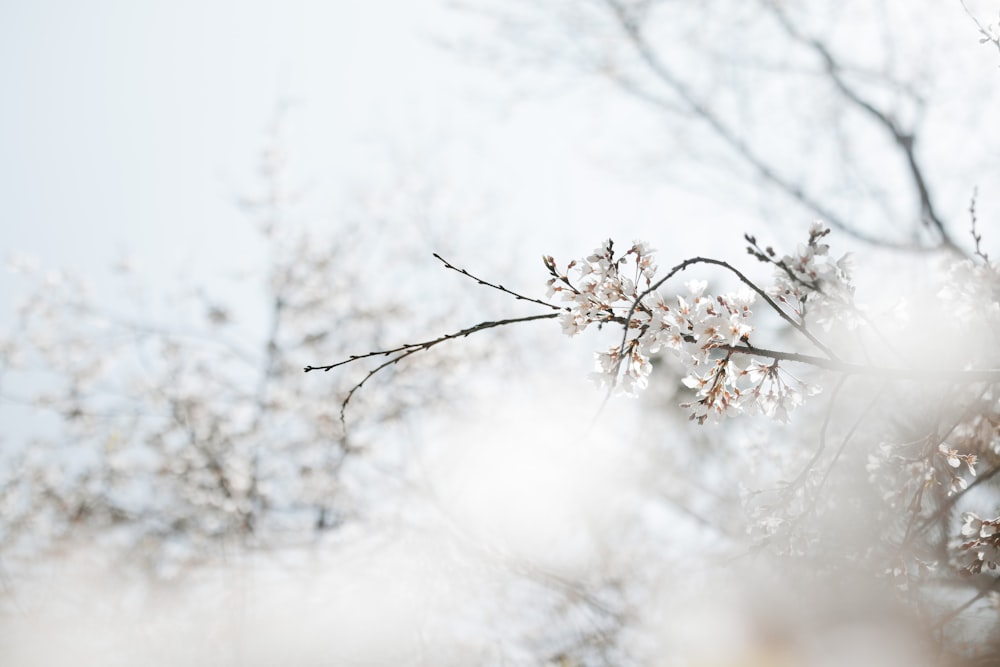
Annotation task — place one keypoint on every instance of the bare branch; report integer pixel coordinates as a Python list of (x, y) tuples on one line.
[(903, 139), (409, 348), (990, 34), (404, 351), (633, 31), (519, 297), (828, 414)]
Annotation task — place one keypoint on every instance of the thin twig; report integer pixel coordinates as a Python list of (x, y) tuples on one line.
[(428, 344), (986, 31), (403, 351), (486, 283), (847, 438), (822, 434)]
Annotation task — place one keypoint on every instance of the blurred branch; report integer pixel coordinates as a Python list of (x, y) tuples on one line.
[(904, 140), (632, 28), (631, 23), (990, 34), (824, 429), (410, 348)]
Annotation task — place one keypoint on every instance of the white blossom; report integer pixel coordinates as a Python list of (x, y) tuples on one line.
[(814, 284), (705, 331)]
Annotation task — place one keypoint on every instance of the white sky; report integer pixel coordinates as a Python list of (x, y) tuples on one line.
[(129, 128)]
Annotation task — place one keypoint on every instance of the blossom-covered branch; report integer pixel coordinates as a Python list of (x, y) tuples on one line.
[(708, 333), (705, 331)]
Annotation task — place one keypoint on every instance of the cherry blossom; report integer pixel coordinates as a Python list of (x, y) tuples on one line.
[(705, 332), (985, 543), (811, 282)]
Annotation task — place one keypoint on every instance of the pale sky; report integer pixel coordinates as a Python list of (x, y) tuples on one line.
[(130, 128)]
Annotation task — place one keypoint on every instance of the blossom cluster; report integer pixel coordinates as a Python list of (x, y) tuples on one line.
[(985, 543), (957, 483), (707, 333), (811, 280)]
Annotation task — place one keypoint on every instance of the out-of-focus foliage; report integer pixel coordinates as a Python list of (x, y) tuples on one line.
[(164, 437)]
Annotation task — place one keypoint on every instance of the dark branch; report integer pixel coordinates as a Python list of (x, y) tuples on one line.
[(976, 236), (409, 348), (403, 351)]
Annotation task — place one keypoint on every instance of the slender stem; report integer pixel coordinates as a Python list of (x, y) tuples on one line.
[(501, 288), (404, 351), (822, 434), (409, 348)]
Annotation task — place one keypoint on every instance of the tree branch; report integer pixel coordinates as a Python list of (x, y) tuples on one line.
[(501, 288), (410, 348), (404, 351), (903, 139), (801, 328), (729, 135)]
